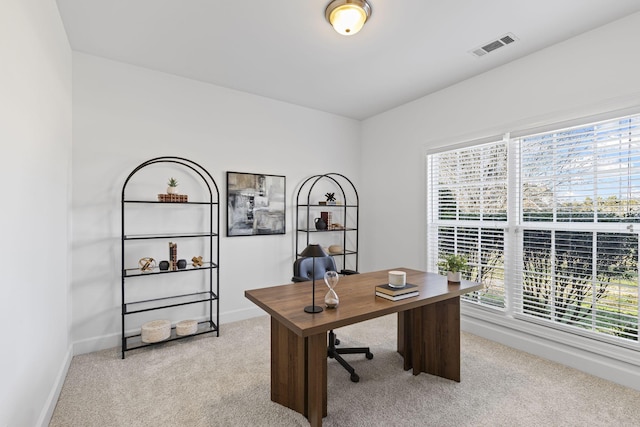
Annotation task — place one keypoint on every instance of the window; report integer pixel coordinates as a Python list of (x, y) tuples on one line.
[(468, 213), (549, 223)]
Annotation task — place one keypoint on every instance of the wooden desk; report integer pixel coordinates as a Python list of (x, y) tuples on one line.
[(428, 331)]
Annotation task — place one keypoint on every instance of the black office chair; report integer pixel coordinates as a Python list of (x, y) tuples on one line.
[(303, 269)]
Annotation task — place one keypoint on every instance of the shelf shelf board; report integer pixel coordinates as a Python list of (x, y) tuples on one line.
[(135, 341), (169, 203), (167, 302), (168, 236), (312, 205), (347, 252), (135, 272), (313, 230)]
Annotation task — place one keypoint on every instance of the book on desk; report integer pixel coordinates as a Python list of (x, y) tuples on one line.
[(395, 294)]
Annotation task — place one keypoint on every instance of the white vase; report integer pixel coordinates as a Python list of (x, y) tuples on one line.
[(172, 190), (453, 276)]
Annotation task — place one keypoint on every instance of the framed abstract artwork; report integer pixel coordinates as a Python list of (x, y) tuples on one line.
[(255, 204)]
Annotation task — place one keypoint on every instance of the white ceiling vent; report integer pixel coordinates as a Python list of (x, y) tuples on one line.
[(493, 45)]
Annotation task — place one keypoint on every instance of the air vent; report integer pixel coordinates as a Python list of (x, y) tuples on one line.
[(507, 39), (493, 45)]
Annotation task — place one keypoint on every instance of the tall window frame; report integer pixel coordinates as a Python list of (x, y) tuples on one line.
[(569, 224)]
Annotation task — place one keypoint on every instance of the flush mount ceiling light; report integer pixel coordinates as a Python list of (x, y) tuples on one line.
[(348, 16)]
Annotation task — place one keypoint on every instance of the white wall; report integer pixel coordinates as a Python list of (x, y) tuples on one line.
[(35, 135), (124, 115), (590, 74)]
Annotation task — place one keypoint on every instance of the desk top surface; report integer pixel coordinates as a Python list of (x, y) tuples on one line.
[(358, 301)]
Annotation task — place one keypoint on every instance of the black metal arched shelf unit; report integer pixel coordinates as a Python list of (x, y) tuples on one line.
[(209, 294), (348, 209)]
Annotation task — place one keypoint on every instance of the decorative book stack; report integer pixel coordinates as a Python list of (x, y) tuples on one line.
[(173, 198), (173, 256), (396, 294), (327, 218)]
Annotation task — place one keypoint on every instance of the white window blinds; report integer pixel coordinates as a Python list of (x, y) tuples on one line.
[(582, 174), (467, 214), (580, 198)]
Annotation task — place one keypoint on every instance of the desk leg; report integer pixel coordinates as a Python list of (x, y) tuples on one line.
[(429, 339), (316, 378), (299, 372)]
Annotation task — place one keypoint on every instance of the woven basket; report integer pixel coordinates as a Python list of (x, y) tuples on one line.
[(186, 327), (156, 331), (336, 249)]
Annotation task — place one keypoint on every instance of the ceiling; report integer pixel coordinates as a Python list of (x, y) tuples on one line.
[(285, 49)]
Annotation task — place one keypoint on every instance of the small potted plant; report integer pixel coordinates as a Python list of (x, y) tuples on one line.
[(173, 186), (454, 264)]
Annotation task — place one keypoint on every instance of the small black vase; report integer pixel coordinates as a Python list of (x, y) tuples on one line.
[(182, 264), (320, 224), (164, 265)]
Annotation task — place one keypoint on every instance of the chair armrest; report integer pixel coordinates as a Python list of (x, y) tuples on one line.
[(296, 279), (349, 272)]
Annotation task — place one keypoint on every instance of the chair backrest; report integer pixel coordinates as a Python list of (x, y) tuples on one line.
[(303, 268)]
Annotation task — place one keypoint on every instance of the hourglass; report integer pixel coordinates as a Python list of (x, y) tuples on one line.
[(331, 300)]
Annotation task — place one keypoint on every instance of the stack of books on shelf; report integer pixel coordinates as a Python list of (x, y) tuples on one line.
[(173, 198), (327, 217), (396, 294)]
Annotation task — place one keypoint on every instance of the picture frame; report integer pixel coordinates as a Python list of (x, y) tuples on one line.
[(256, 204)]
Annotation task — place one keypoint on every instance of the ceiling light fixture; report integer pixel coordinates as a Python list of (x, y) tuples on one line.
[(348, 16)]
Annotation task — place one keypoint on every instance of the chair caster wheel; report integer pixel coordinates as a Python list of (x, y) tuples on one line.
[(337, 341), (369, 355), (355, 378)]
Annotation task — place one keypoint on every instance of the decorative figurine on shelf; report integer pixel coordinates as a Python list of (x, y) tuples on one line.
[(331, 198), (146, 264), (197, 261), (173, 186)]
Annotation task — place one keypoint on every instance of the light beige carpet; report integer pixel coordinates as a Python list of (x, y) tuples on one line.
[(224, 381)]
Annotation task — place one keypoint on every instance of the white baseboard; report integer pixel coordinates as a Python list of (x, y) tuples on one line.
[(595, 358), (245, 313), (50, 405), (103, 342)]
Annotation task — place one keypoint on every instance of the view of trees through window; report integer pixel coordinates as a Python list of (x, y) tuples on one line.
[(582, 279), (555, 236)]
